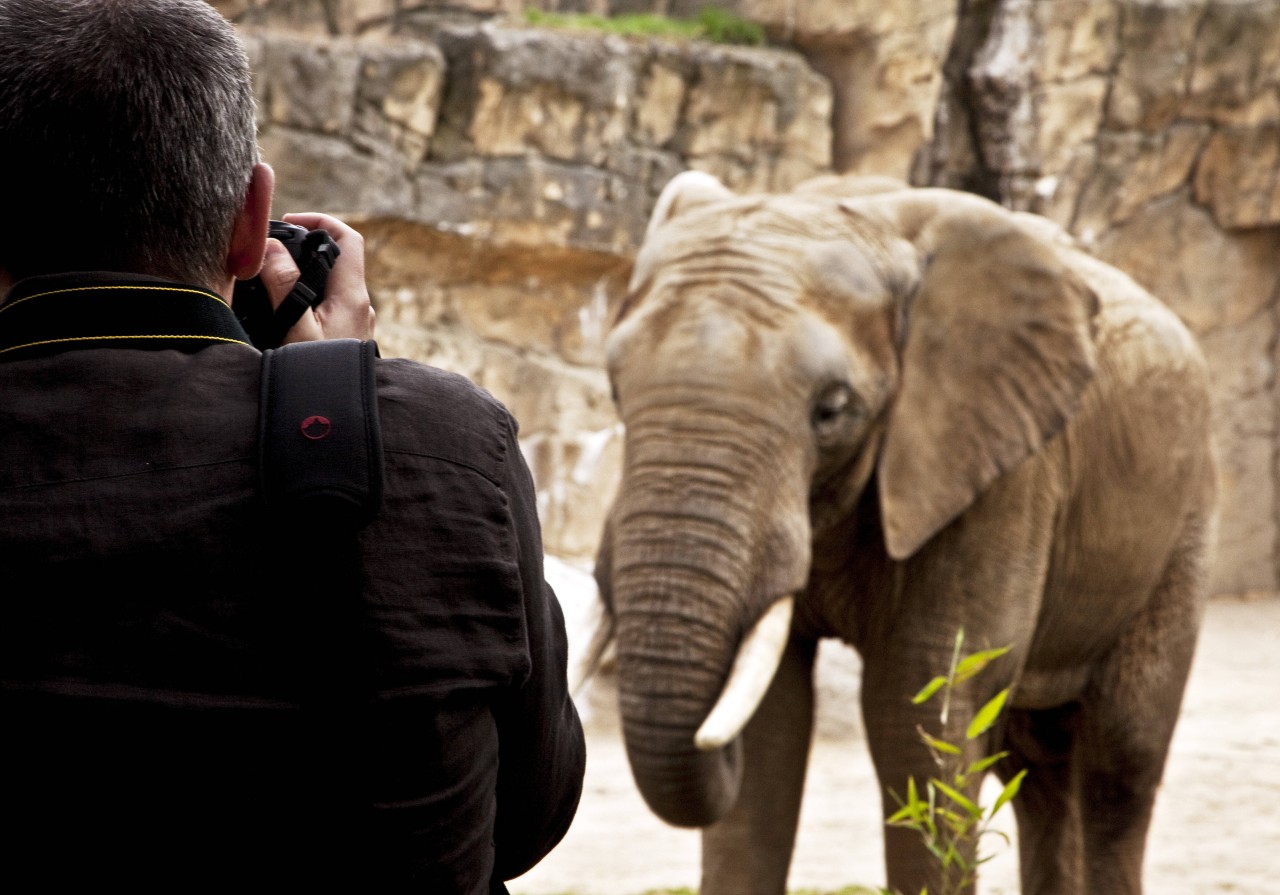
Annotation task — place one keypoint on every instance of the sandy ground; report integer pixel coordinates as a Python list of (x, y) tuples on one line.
[(1216, 829)]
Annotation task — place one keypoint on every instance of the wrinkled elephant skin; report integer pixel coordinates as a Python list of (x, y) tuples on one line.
[(909, 411)]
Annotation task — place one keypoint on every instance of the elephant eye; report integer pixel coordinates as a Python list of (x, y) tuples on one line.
[(834, 409)]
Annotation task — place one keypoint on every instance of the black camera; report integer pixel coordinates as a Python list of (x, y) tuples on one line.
[(315, 252)]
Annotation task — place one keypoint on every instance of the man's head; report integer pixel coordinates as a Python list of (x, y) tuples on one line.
[(127, 137)]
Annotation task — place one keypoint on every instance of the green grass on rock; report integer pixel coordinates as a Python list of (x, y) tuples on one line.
[(714, 25)]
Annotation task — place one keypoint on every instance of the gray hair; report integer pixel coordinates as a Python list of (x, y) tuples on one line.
[(127, 137)]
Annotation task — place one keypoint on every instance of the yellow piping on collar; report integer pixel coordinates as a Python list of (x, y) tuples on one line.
[(106, 338)]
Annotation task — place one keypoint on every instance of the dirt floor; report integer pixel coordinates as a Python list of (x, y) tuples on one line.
[(1216, 830)]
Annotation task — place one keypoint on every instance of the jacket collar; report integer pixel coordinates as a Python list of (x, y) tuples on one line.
[(51, 314)]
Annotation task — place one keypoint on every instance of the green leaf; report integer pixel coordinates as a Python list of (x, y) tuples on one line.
[(959, 825), (972, 665), (929, 690), (987, 716), (999, 834), (1010, 790), (940, 745), (910, 812), (985, 764), (959, 798), (903, 817)]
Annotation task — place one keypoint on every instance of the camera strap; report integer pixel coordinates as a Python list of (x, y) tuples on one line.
[(319, 436), (315, 258), (321, 474)]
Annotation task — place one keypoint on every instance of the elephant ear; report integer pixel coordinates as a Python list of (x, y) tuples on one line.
[(998, 351)]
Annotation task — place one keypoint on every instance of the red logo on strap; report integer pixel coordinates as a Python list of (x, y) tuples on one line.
[(316, 427)]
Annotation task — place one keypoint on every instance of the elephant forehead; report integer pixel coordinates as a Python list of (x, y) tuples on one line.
[(713, 342), (840, 265), (837, 266), (716, 323), (843, 280), (721, 301), (771, 229), (768, 269), (752, 285)]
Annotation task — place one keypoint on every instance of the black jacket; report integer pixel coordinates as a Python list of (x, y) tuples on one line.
[(160, 636)]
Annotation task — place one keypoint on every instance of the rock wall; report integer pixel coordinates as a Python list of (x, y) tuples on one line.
[(503, 175)]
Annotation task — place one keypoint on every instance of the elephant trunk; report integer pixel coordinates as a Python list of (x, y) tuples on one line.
[(663, 701), (696, 786), (685, 584)]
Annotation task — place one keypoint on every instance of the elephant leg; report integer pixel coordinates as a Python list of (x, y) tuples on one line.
[(910, 867), (1050, 848), (748, 852), (893, 726), (1127, 722)]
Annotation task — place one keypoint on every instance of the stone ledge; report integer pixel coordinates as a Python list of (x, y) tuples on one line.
[(527, 136)]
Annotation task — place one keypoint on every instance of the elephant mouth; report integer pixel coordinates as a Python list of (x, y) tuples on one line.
[(753, 669)]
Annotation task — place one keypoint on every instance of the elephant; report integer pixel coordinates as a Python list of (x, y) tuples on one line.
[(883, 414)]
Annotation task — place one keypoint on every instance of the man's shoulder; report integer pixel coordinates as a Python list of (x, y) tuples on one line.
[(407, 384), (433, 412)]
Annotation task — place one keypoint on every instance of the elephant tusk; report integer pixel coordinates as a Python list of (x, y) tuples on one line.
[(753, 669), (588, 661)]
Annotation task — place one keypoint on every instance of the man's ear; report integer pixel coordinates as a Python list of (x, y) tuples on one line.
[(249, 235)]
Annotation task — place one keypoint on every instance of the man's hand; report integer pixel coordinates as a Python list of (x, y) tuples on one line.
[(346, 312)]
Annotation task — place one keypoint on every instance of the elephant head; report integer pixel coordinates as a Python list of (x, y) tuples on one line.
[(775, 358)]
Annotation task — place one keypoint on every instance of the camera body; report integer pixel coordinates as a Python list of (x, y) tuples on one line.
[(315, 252)]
